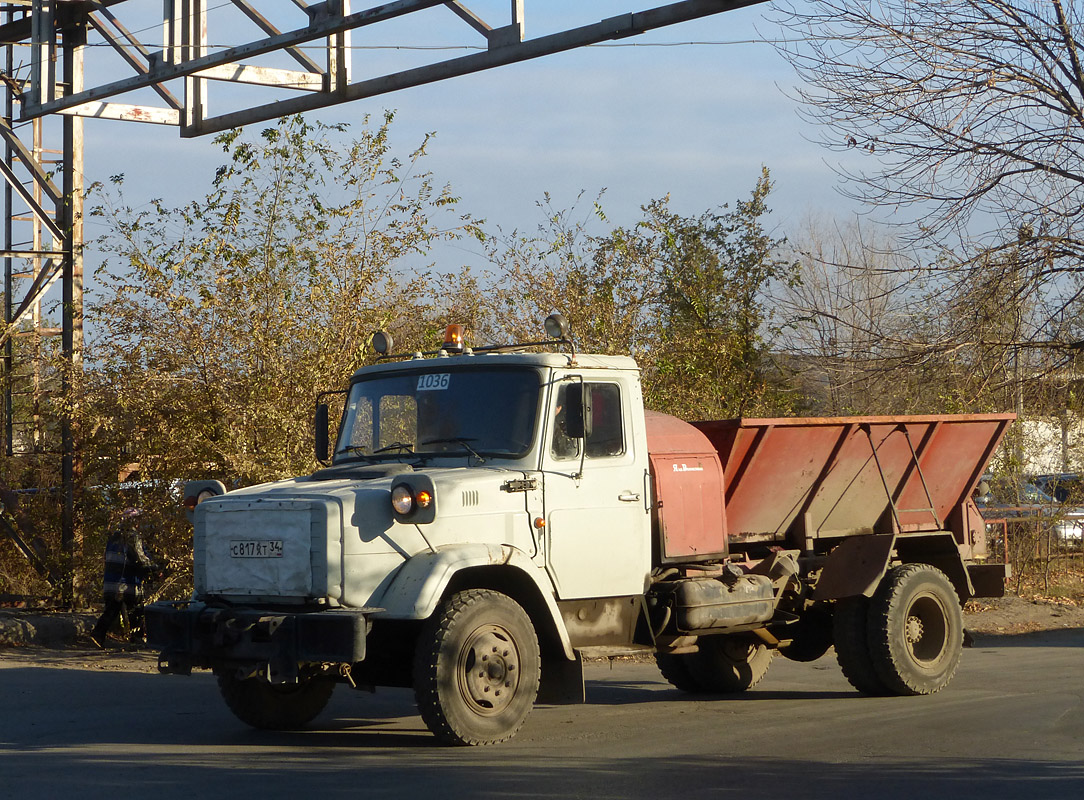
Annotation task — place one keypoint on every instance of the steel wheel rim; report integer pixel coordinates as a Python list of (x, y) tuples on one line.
[(489, 668), (926, 629)]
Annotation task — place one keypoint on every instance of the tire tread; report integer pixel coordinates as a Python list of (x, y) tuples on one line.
[(892, 667), (427, 666), (849, 632)]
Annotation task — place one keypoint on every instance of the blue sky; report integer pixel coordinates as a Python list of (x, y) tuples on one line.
[(693, 121)]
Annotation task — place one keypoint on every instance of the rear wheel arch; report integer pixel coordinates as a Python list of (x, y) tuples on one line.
[(860, 564), (941, 552)]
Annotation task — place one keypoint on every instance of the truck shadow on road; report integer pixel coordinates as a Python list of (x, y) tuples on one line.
[(1061, 637), (622, 693)]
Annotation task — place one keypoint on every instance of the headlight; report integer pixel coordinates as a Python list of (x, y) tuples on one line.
[(195, 492), (402, 499), (414, 500)]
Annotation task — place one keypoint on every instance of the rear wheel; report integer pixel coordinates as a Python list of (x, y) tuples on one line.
[(915, 630), (811, 636), (722, 665), (277, 707), (675, 668), (728, 664), (849, 633), (476, 668)]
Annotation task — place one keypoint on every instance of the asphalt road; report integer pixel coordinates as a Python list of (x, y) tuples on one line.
[(1011, 725)]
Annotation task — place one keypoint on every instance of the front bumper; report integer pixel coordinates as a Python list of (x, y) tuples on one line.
[(273, 643)]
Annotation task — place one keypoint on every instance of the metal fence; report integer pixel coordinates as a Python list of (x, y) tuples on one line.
[(1044, 546)]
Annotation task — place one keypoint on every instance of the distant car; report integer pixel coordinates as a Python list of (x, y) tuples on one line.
[(998, 499), (1065, 487)]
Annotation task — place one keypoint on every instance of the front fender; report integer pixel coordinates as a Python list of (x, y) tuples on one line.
[(421, 581)]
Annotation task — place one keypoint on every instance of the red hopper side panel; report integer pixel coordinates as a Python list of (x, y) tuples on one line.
[(688, 479), (792, 478)]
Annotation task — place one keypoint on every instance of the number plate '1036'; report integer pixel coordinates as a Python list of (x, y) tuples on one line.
[(256, 548)]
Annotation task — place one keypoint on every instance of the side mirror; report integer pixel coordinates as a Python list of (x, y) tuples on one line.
[(578, 414), (320, 426)]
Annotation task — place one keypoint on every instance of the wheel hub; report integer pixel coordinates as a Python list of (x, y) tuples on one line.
[(489, 671), (926, 630), (914, 629)]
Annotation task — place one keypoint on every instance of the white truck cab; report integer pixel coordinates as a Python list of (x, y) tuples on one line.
[(515, 471)]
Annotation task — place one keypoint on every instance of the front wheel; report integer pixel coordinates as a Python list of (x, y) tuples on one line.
[(476, 668), (915, 630), (275, 707)]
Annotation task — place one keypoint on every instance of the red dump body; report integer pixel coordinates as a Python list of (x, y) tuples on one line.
[(798, 480)]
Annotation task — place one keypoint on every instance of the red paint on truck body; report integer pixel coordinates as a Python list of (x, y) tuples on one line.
[(790, 480)]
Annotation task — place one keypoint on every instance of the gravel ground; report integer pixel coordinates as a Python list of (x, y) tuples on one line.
[(1013, 615)]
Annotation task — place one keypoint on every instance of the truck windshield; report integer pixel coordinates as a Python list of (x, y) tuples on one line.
[(444, 410)]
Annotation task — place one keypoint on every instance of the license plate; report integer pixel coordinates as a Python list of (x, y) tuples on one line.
[(256, 548)]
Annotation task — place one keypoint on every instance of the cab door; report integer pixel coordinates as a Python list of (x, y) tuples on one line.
[(597, 510)]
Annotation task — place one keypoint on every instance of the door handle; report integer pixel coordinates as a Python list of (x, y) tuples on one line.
[(629, 497)]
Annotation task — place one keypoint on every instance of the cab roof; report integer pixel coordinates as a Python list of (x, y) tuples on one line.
[(492, 359)]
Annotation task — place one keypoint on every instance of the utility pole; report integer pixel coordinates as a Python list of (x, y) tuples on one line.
[(71, 224)]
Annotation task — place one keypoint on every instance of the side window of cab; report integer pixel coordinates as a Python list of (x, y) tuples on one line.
[(606, 438), (607, 432)]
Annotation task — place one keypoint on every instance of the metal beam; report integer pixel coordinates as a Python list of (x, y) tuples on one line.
[(27, 197), (30, 163), (18, 31), (614, 28), (140, 64), (70, 218), (127, 113), (263, 24), (185, 56), (470, 17), (164, 72), (264, 76), (44, 281)]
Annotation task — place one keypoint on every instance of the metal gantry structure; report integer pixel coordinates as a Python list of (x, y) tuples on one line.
[(67, 60)]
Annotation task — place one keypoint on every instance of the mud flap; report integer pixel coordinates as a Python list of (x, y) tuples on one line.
[(989, 580), (562, 681)]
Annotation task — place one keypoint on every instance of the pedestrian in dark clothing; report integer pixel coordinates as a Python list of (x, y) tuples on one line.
[(126, 565)]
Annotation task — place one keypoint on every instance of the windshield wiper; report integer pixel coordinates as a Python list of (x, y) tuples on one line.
[(458, 440), (400, 447), (358, 451)]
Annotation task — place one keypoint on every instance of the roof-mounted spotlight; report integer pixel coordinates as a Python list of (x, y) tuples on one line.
[(383, 343), (557, 327)]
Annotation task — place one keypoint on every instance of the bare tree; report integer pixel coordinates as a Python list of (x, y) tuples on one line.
[(848, 321), (968, 116)]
